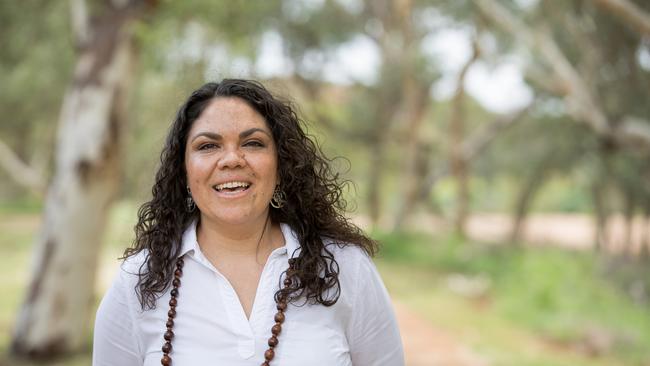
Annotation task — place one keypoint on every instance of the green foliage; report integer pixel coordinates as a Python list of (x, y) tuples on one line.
[(35, 68), (563, 194), (19, 226), (562, 295), (21, 205)]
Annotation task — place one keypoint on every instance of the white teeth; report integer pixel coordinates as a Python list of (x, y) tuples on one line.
[(231, 185)]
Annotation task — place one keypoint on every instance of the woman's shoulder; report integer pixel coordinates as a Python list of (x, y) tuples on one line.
[(132, 265), (129, 271), (348, 255)]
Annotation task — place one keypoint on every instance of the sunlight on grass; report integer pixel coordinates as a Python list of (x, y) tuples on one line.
[(542, 306)]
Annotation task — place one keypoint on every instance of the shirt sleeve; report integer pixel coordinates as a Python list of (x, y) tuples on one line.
[(115, 339), (374, 333)]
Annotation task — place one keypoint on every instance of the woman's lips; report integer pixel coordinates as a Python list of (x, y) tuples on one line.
[(225, 193)]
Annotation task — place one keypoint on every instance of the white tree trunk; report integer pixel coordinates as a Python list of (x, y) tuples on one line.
[(54, 317)]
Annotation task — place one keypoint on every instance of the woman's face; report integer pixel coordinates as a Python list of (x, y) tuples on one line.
[(231, 163)]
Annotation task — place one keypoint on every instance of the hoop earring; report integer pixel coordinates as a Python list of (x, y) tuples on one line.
[(190, 206), (279, 198)]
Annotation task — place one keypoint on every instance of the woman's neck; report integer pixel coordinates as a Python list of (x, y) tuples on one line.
[(257, 239)]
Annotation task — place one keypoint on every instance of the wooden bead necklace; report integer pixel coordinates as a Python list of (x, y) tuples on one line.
[(280, 304)]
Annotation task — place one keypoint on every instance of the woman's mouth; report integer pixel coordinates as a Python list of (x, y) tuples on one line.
[(232, 188)]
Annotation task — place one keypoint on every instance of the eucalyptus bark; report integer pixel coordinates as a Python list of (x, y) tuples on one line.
[(600, 216), (457, 161), (526, 197), (55, 315), (411, 114), (644, 250), (629, 207)]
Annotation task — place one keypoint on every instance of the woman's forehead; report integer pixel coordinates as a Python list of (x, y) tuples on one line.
[(229, 114)]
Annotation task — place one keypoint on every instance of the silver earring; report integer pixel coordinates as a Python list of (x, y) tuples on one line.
[(190, 206), (279, 198)]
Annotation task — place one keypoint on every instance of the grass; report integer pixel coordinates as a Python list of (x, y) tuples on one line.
[(542, 305), (19, 227), (539, 305)]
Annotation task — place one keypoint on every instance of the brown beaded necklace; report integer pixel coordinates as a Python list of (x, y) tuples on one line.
[(280, 304)]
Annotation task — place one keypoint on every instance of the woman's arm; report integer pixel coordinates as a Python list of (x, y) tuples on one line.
[(115, 340), (374, 334)]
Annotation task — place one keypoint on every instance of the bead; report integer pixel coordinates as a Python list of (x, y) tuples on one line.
[(273, 341), (279, 317), (281, 305), (166, 360), (169, 335), (269, 354), (167, 347)]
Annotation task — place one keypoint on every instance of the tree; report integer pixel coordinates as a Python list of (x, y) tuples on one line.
[(59, 299), (586, 57), (580, 99), (629, 13), (391, 109), (27, 131)]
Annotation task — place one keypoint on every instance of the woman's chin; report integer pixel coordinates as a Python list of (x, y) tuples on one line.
[(234, 218)]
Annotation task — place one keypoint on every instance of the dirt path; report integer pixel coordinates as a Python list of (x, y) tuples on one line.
[(573, 231), (427, 346)]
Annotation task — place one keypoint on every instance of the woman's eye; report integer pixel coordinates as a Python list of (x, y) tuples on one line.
[(254, 143), (207, 146)]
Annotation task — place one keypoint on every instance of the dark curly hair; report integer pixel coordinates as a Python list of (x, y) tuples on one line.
[(314, 206)]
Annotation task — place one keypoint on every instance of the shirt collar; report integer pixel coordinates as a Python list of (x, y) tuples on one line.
[(189, 242), (291, 243)]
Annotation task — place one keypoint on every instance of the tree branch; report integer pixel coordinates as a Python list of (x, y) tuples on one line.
[(472, 147), (20, 172), (579, 100), (79, 18), (312, 90), (631, 14)]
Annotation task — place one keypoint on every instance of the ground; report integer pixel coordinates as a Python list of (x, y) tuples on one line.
[(427, 342)]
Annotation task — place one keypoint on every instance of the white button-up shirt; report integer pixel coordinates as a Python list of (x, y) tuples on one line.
[(211, 327)]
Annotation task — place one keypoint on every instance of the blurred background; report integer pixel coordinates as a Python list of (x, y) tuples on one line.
[(498, 149)]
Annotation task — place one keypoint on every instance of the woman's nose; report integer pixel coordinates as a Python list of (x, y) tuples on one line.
[(232, 158)]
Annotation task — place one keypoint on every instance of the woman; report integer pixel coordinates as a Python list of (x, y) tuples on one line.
[(243, 255)]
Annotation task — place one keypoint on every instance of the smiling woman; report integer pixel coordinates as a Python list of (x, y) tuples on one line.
[(247, 215), (231, 164)]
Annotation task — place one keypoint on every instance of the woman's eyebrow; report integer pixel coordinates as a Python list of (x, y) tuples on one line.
[(210, 135), (242, 135), (250, 131)]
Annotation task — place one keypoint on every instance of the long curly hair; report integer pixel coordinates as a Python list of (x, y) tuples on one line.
[(314, 206)]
